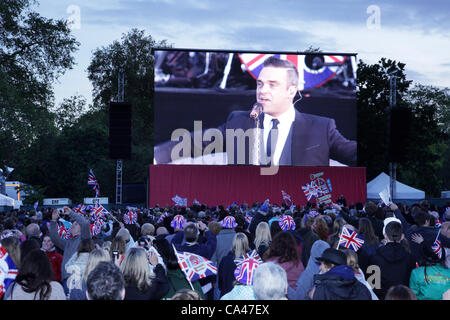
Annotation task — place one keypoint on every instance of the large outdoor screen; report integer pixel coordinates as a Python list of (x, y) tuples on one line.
[(250, 108)]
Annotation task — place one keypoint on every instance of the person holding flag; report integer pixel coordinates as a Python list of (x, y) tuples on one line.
[(79, 230), (92, 181), (190, 235), (432, 279)]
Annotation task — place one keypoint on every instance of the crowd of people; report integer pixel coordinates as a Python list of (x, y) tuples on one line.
[(260, 251)]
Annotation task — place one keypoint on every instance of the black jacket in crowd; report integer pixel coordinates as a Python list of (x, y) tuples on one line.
[(395, 265), (339, 284), (157, 290)]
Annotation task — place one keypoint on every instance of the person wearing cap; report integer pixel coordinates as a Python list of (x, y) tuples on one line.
[(242, 286), (262, 215), (224, 239), (337, 280), (394, 261)]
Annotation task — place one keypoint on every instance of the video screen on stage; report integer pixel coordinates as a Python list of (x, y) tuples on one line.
[(254, 108)]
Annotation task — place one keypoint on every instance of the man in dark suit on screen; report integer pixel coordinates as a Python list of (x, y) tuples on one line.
[(285, 136)]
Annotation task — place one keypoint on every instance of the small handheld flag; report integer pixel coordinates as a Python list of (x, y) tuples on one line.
[(350, 239), (194, 266), (437, 247), (92, 181)]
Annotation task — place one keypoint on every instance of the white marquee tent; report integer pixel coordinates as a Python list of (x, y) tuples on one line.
[(402, 191)]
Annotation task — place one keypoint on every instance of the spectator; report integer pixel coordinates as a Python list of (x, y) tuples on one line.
[(337, 281), (309, 237), (54, 256), (118, 244), (394, 261), (148, 229), (243, 289), (260, 216), (95, 257), (214, 227), (400, 292), (338, 224), (176, 278), (124, 233), (33, 231), (34, 280), (76, 266), (224, 239), (227, 265), (352, 261), (186, 294), (422, 226), (12, 246), (140, 283), (263, 238), (191, 235), (377, 224), (162, 232), (28, 246), (371, 243), (79, 230), (105, 282), (284, 251), (430, 281), (305, 282), (270, 282)]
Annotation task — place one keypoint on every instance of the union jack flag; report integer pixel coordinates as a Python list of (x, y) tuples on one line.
[(436, 247), (310, 190), (194, 266), (81, 208), (162, 217), (245, 270), (286, 223), (96, 227), (98, 211), (130, 217), (181, 202), (249, 255), (248, 218), (92, 181), (64, 230), (229, 222), (350, 239), (309, 78), (286, 196), (196, 202), (8, 271)]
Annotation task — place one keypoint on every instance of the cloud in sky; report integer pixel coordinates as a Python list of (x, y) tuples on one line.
[(414, 32)]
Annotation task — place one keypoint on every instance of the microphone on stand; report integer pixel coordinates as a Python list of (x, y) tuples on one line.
[(256, 111)]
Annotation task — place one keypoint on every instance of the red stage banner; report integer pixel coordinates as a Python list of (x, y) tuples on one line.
[(222, 185)]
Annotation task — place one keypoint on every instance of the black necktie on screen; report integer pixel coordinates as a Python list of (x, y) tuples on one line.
[(275, 123)]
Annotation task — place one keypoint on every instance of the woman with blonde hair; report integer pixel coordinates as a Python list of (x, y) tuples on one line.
[(263, 238), (227, 265), (95, 257), (140, 282), (352, 261)]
